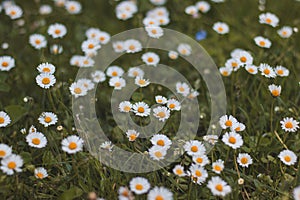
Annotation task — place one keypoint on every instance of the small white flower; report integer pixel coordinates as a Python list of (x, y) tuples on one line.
[(198, 174), (40, 173), (141, 109), (48, 119), (6, 63), (173, 104), (114, 71), (11, 163), (201, 159), (119, 46), (160, 193), (141, 82), (243, 57), (262, 42), (218, 187), (173, 55), (45, 80), (194, 147), (296, 193), (36, 140), (191, 10), (161, 140), (73, 7), (125, 106), (161, 113), (72, 144), (182, 88), (78, 90), (14, 11), (4, 119), (132, 46), (212, 139), (117, 82), (238, 127), (154, 31), (221, 28), (107, 145), (135, 72), (227, 121), (38, 41), (244, 159), (287, 157), (252, 69), (232, 63), (268, 18), (150, 58), (226, 71), (184, 49), (5, 150), (218, 166), (289, 124), (57, 30), (285, 32), (98, 76), (203, 6), (157, 152), (103, 37), (275, 90), (132, 135), (232, 139), (282, 71), (267, 71), (179, 171), (161, 100), (87, 83), (45, 9), (139, 185), (90, 46), (46, 68)]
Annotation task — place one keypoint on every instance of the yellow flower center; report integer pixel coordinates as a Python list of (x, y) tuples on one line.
[(4, 64), (2, 120), (77, 90), (153, 31), (243, 59), (132, 137), (139, 186), (219, 187), (2, 153), (198, 173), (46, 81), (220, 29), (199, 160), (194, 149), (159, 197), (150, 59), (40, 175), (13, 12), (114, 73), (275, 93), (161, 114), (141, 109), (268, 20), (228, 123), (172, 106), (38, 41), (267, 71), (262, 43), (36, 141), (131, 47), (117, 84), (47, 119), (90, 46), (46, 69), (127, 108), (280, 72), (57, 31), (234, 64), (12, 165), (289, 125), (72, 145), (142, 82), (251, 70), (160, 143), (232, 140), (244, 160), (287, 158), (102, 38), (158, 154)]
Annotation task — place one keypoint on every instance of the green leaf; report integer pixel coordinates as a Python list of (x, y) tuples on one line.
[(4, 87), (26, 156), (137, 96), (15, 112), (71, 193)]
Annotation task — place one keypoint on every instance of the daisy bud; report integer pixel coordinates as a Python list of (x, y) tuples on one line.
[(23, 131), (241, 181), (59, 128)]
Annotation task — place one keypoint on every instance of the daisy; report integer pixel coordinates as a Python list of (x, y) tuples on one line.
[(38, 41), (132, 135), (72, 144), (98, 76), (218, 166), (150, 58), (288, 157), (57, 30), (157, 152), (184, 49), (232, 139), (124, 15), (114, 71), (92, 33), (227, 121), (90, 46), (173, 55), (232, 63), (11, 163), (125, 106), (221, 28), (243, 57), (275, 90), (225, 71), (139, 185), (201, 159), (267, 71), (161, 141), (87, 83), (46, 68), (158, 3), (160, 193), (128, 6), (161, 113), (163, 20), (282, 71), (238, 127), (45, 9), (45, 80), (212, 139), (40, 173), (14, 11), (77, 89), (107, 145), (47, 119), (252, 69), (4, 119), (73, 7), (198, 174), (296, 193), (36, 140), (150, 21), (141, 82), (154, 31), (132, 46), (244, 159), (119, 46), (218, 187), (56, 49), (6, 63), (135, 72), (141, 109), (262, 42), (160, 99), (173, 104), (194, 147), (203, 6), (158, 11), (125, 194), (285, 32), (117, 82), (32, 129), (179, 171), (268, 18), (103, 37), (191, 10), (288, 124), (182, 88), (75, 60), (5, 150)]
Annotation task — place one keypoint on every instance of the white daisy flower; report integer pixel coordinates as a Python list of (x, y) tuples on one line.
[(232, 63), (287, 157), (238, 127), (150, 21), (103, 37), (38, 41), (124, 15), (285, 32), (141, 109), (252, 69), (72, 144), (173, 104), (275, 90), (6, 63), (244, 159), (194, 147), (243, 57), (135, 72), (218, 166), (48, 119), (45, 80), (157, 152), (218, 187), (141, 82), (40, 173), (227, 121), (46, 68), (182, 88), (132, 46), (119, 46), (179, 171), (198, 174), (161, 113), (203, 6), (289, 124), (161, 141), (160, 193), (139, 185), (161, 100), (201, 159), (36, 140), (296, 193), (73, 7), (90, 46), (56, 49), (92, 33), (173, 55), (232, 139), (128, 6), (98, 76), (78, 90), (225, 71), (132, 135), (163, 20), (267, 71), (125, 106), (86, 61), (87, 83), (158, 11), (75, 60), (154, 31), (282, 71), (5, 150), (212, 139), (11, 163), (269, 18), (14, 11), (262, 42), (117, 82), (107, 146), (4, 119), (191, 10), (57, 30), (45, 9), (32, 129), (114, 71), (125, 193), (221, 28), (150, 58), (184, 49)]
